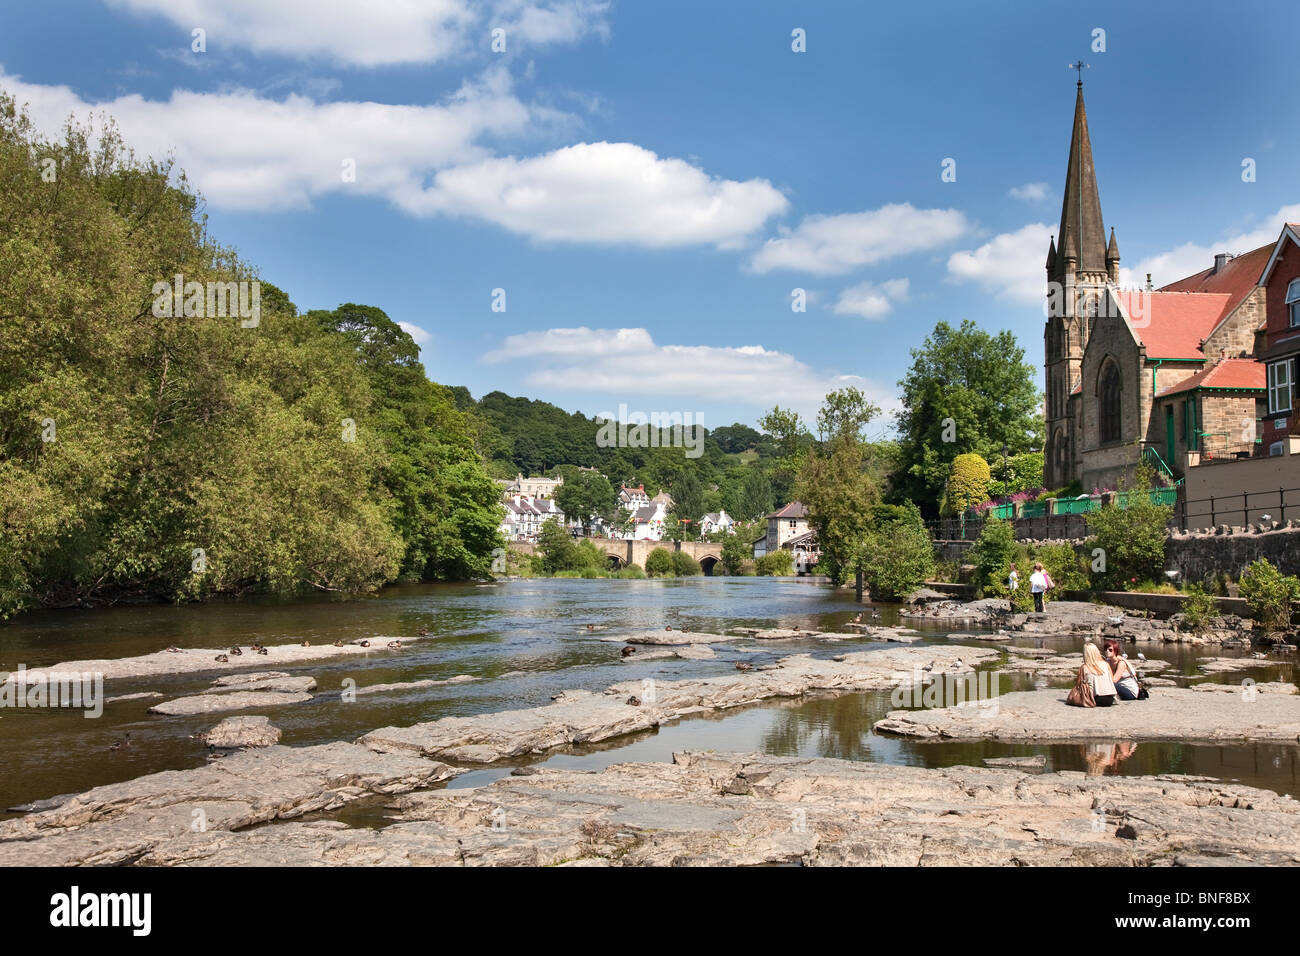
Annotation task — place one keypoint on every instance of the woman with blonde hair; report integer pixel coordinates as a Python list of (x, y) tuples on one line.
[(1098, 674)]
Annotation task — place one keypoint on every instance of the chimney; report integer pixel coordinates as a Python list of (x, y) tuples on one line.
[(1148, 282), (1223, 354), (1220, 260)]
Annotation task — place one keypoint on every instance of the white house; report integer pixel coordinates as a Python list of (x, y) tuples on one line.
[(717, 521), (648, 522), (632, 498)]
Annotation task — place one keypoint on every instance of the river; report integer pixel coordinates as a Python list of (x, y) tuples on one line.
[(524, 640)]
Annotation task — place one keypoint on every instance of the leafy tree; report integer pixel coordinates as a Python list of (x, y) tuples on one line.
[(898, 554), (791, 440), (776, 564), (1132, 538), (966, 391), (736, 551), (736, 438), (993, 552), (684, 565), (688, 503), (585, 495), (557, 548), (1270, 595), (1015, 473), (659, 562), (968, 484)]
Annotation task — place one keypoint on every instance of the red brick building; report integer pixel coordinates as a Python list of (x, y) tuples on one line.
[(1280, 281)]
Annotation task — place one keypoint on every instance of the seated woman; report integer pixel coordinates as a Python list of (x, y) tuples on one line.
[(1121, 672), (1098, 674)]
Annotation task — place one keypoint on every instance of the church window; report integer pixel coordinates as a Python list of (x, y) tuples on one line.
[(1110, 402)]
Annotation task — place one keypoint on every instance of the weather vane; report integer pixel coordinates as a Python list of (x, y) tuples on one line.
[(1079, 66)]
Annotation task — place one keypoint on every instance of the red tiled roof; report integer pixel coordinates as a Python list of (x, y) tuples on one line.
[(1237, 277), (794, 509), (1229, 373), (1173, 324)]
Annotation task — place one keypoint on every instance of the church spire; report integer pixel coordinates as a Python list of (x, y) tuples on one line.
[(1081, 205)]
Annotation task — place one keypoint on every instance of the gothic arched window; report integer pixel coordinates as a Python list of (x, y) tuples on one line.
[(1109, 393)]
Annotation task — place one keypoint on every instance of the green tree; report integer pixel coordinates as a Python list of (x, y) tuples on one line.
[(1132, 538), (898, 555), (586, 495), (791, 440), (968, 484), (684, 565), (993, 552), (966, 391), (659, 562), (688, 504), (736, 552), (557, 548), (1270, 595), (777, 564)]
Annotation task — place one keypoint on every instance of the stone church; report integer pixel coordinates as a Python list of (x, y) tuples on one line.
[(1168, 372)]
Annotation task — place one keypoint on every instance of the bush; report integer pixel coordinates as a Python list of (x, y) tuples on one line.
[(776, 564), (735, 552), (748, 568), (1269, 595), (1063, 564), (684, 566), (631, 571), (659, 562), (1132, 539), (968, 484), (1199, 609), (900, 559), (993, 552)]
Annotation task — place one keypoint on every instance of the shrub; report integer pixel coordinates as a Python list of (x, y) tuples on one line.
[(1199, 609), (993, 552), (1063, 564), (968, 484), (1269, 595), (735, 552), (684, 566), (631, 571), (659, 562), (899, 559), (748, 568), (1132, 539), (776, 564)]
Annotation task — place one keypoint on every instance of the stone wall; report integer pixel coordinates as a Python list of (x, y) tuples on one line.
[(1200, 554)]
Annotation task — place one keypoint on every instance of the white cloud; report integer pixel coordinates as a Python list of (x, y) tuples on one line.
[(1191, 258), (244, 151), (414, 331), (828, 245), (871, 301), (1011, 265), (603, 192), (614, 361), (377, 34), (1030, 192)]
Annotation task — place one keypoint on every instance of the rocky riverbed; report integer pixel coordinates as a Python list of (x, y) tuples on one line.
[(704, 809)]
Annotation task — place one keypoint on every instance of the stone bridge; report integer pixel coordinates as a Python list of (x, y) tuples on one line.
[(624, 552)]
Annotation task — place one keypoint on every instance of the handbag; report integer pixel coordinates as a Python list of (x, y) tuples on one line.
[(1082, 694)]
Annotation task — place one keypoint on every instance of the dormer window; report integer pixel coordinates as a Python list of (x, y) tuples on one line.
[(1293, 302)]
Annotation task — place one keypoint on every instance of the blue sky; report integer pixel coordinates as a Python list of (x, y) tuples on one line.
[(649, 182)]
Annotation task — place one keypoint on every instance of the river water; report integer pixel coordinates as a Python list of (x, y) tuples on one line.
[(524, 640)]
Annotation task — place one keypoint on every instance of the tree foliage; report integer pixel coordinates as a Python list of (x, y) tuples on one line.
[(181, 456), (1270, 595), (967, 391), (968, 484)]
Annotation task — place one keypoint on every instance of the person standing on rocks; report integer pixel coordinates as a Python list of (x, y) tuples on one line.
[(1040, 582), (1013, 584)]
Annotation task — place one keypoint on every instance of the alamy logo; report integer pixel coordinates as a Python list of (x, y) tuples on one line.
[(76, 689), (211, 300), (685, 430), (74, 908), (966, 690)]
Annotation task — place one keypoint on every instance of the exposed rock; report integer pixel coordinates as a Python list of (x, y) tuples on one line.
[(143, 695), (282, 683), (237, 732), (123, 823), (1034, 763), (195, 660), (1226, 665), (1171, 714), (673, 638), (483, 738), (1267, 687), (234, 700), (414, 684), (750, 809), (925, 596), (695, 652)]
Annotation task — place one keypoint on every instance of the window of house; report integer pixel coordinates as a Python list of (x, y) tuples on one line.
[(1293, 301), (1110, 403), (1279, 387)]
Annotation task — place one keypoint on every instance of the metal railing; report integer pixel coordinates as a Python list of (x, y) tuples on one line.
[(1238, 509), (967, 527)]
